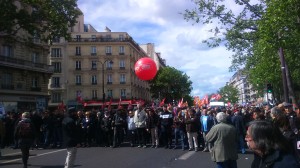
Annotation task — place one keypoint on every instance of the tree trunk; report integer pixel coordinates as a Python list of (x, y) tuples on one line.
[(290, 87)]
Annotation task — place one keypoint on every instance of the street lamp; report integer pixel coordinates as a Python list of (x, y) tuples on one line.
[(103, 97)]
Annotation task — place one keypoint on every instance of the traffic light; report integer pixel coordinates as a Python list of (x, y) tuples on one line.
[(269, 88)]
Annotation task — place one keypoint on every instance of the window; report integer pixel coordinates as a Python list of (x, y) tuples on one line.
[(93, 50), (56, 52), (78, 65), (109, 79), (94, 94), (85, 28), (122, 64), (7, 80), (110, 93), (122, 78), (57, 67), (56, 97), (55, 82), (7, 51), (121, 50), (108, 50), (78, 79), (109, 65), (123, 93), (94, 38), (78, 51), (56, 40), (35, 57), (34, 82), (108, 37), (94, 65), (36, 37), (121, 37), (94, 80), (78, 38)]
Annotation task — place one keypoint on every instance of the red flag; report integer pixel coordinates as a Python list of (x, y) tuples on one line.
[(228, 104), (162, 102), (218, 96), (79, 98), (119, 105), (130, 105), (213, 97), (61, 106), (103, 105), (205, 99), (180, 103), (109, 104)]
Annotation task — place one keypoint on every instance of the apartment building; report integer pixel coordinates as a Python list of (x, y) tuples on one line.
[(246, 93), (149, 48), (94, 67), (24, 73)]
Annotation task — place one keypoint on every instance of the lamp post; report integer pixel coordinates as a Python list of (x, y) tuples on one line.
[(103, 96)]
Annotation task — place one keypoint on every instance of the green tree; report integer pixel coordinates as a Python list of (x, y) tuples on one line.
[(171, 84), (46, 19), (254, 35), (229, 93), (236, 30), (278, 28)]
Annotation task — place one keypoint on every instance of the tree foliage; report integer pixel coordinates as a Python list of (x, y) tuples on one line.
[(255, 31), (171, 84), (229, 93), (43, 18), (279, 27), (236, 30)]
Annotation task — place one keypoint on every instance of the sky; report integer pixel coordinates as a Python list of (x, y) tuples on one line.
[(179, 42)]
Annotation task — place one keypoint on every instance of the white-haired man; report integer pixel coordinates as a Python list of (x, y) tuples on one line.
[(223, 136)]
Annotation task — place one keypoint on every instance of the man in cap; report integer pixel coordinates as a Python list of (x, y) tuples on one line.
[(292, 116), (70, 135)]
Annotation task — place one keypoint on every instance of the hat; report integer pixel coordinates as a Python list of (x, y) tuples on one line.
[(71, 110), (285, 104)]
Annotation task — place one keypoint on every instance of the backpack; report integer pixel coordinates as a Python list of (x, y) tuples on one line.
[(25, 130)]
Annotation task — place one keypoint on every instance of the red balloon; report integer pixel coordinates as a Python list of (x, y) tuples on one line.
[(145, 68)]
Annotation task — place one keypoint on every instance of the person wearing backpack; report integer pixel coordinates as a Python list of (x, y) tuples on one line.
[(25, 134)]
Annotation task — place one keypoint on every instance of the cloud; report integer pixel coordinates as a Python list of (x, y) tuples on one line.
[(178, 41)]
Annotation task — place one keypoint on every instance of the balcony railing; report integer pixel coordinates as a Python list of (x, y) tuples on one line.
[(55, 86), (109, 83), (101, 39), (122, 82), (7, 87), (24, 64), (36, 89)]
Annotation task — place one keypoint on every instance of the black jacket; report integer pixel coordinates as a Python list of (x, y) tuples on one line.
[(71, 133), (277, 159)]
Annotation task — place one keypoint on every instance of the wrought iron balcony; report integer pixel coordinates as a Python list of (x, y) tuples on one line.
[(55, 86), (25, 65), (102, 39), (36, 89), (7, 87)]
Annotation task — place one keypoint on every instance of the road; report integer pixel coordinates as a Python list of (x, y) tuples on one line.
[(123, 157)]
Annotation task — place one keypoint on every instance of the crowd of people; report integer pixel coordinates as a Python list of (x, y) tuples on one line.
[(208, 129)]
